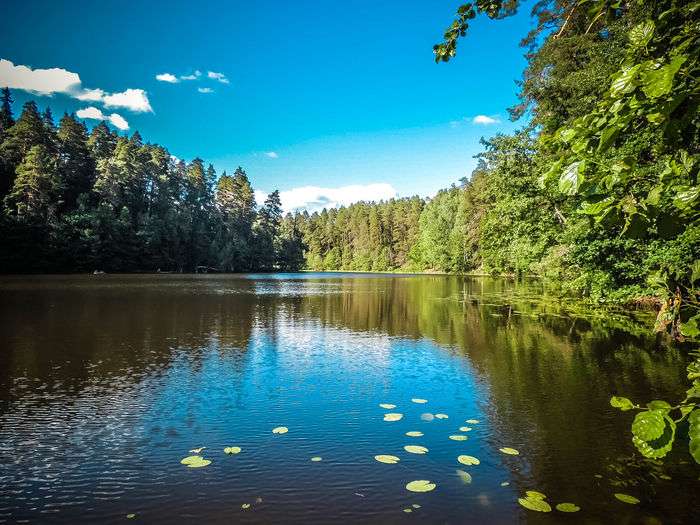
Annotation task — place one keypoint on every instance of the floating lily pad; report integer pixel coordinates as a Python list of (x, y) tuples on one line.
[(280, 430), (407, 510), (385, 458), (465, 429), (197, 450), (419, 400), (232, 450), (505, 483), (392, 416), (195, 461), (464, 476), (441, 416), (468, 460), (245, 506), (536, 504), (420, 485), (388, 406), (626, 498), (130, 516), (567, 507), (472, 421), (316, 459), (415, 449), (510, 451), (415, 506), (458, 437), (414, 433), (535, 494), (427, 417)]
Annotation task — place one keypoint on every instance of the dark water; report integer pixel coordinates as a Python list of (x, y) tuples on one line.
[(107, 382)]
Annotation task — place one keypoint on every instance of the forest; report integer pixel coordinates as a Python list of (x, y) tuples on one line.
[(597, 192)]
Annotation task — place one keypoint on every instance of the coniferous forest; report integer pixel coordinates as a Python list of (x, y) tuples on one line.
[(597, 192)]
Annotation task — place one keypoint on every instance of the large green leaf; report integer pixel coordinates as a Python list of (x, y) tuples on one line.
[(659, 82), (622, 403), (641, 34), (654, 432), (571, 178), (607, 138), (694, 434), (649, 425)]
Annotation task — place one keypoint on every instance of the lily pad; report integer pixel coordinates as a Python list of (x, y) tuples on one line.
[(388, 406), (415, 449), (195, 461), (510, 451), (472, 421), (407, 510), (464, 476), (458, 437), (536, 504), (441, 416), (415, 506), (505, 483), (534, 494), (414, 434), (465, 429), (626, 498), (420, 485), (232, 450), (567, 507), (419, 400), (130, 516), (316, 459), (468, 460), (385, 458), (392, 416), (427, 417), (245, 506), (280, 430)]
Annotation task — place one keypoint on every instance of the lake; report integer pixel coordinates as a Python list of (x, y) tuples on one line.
[(108, 382)]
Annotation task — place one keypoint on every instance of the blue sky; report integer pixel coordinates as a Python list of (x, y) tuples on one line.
[(342, 93)]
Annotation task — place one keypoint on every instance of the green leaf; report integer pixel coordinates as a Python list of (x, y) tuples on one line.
[(648, 425), (626, 498), (659, 82), (567, 507), (658, 404), (694, 434), (535, 503), (624, 81), (685, 199), (607, 138), (571, 178), (691, 328), (420, 485), (641, 34), (622, 403)]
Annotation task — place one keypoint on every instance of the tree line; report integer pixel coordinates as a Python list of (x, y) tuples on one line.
[(76, 200)]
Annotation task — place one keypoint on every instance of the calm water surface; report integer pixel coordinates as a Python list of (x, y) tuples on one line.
[(107, 382)]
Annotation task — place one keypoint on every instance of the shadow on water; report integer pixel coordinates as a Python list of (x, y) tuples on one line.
[(106, 383)]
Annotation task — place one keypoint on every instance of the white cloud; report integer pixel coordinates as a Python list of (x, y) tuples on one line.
[(38, 81), (134, 99), (167, 77), (90, 95), (193, 76), (205, 90), (315, 198), (485, 120), (94, 113), (218, 76), (271, 154), (56, 80)]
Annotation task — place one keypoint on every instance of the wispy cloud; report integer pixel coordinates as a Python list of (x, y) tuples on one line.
[(167, 77), (486, 120), (48, 82), (218, 76), (94, 113), (315, 198), (205, 90), (271, 154), (193, 76)]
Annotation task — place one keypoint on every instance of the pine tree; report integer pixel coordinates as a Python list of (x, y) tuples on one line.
[(35, 192), (6, 118), (76, 165), (102, 142)]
